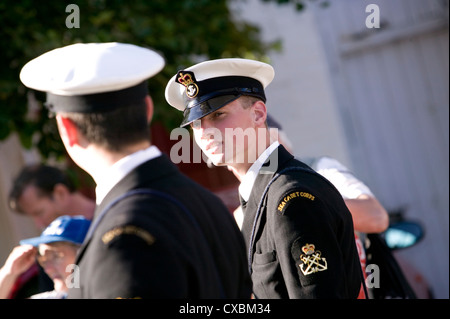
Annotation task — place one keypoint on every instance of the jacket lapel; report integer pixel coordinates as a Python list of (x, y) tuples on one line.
[(252, 220)]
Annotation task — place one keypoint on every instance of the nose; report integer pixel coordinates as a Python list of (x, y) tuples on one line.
[(201, 129), (197, 124)]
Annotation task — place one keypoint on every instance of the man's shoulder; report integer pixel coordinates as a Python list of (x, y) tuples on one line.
[(296, 174), (297, 182)]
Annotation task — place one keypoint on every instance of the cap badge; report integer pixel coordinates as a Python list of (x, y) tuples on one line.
[(312, 260), (187, 79)]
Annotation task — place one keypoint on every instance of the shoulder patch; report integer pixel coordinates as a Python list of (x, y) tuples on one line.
[(128, 230), (291, 196), (312, 260)]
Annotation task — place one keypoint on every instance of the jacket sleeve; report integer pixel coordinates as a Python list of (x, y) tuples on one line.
[(307, 238)]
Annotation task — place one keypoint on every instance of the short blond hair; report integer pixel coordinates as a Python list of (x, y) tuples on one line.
[(247, 101)]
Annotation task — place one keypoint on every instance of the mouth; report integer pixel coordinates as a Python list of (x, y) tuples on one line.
[(212, 147)]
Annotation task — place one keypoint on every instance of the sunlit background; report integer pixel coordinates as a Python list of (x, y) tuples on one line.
[(375, 98)]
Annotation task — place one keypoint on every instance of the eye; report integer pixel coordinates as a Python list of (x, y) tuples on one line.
[(217, 114), (195, 124)]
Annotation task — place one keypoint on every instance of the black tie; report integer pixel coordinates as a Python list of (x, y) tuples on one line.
[(243, 202)]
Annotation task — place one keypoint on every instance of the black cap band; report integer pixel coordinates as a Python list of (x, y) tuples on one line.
[(98, 102), (226, 85)]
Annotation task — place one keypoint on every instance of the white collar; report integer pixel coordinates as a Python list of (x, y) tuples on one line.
[(113, 174), (245, 188)]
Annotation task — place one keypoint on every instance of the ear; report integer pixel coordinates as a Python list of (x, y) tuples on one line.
[(149, 103), (259, 113), (67, 130), (60, 192)]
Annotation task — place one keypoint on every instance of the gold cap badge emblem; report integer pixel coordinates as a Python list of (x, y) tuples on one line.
[(187, 79)]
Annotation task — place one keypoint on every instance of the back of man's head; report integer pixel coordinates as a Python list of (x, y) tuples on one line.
[(115, 129)]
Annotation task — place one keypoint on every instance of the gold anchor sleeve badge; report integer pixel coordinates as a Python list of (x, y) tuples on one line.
[(312, 260)]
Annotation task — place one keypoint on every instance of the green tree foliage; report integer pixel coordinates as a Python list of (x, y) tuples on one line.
[(184, 31)]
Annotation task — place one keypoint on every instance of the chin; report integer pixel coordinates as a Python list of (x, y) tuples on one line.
[(216, 159), (60, 285)]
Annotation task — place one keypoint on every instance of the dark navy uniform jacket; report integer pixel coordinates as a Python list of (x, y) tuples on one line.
[(149, 247), (302, 243)]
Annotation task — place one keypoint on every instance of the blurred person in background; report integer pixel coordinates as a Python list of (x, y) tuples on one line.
[(55, 250), (44, 192)]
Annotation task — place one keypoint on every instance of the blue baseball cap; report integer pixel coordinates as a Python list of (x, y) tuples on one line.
[(65, 228)]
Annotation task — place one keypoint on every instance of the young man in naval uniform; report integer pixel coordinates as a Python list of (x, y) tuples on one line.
[(298, 231), (155, 233)]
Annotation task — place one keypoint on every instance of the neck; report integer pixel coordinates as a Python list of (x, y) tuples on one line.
[(239, 170), (79, 204), (96, 160)]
